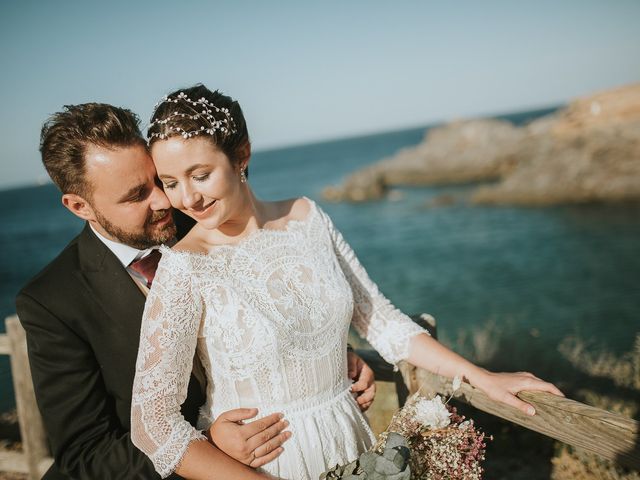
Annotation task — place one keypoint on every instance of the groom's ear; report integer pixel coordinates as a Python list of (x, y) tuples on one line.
[(78, 206)]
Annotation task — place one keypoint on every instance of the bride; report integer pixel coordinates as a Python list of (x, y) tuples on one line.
[(265, 293)]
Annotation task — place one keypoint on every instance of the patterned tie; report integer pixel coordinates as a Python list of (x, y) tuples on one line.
[(147, 266)]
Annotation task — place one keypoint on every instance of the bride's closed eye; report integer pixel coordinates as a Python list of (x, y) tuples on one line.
[(201, 178), (197, 178)]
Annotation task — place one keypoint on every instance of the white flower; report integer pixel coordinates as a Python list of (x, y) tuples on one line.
[(464, 425), (432, 413), (457, 381)]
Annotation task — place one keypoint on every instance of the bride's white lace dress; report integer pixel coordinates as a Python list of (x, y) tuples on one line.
[(269, 318)]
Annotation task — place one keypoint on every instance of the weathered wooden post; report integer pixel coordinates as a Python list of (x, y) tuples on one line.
[(34, 441)]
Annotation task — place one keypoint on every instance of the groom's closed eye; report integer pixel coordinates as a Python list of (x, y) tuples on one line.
[(135, 194)]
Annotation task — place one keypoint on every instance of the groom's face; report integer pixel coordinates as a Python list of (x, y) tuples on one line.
[(128, 205)]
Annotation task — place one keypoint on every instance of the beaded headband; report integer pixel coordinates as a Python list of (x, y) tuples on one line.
[(203, 109)]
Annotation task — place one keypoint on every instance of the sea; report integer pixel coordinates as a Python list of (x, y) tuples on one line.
[(540, 274)]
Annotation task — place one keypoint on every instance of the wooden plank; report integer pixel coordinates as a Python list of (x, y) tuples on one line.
[(604, 433), (34, 440), (44, 465), (15, 462), (4, 345)]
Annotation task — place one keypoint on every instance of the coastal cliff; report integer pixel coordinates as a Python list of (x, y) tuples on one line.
[(588, 151)]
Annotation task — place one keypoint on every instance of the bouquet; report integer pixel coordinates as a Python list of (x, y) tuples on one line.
[(426, 440)]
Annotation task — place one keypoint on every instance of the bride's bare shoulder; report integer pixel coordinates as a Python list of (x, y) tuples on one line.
[(190, 244), (295, 208)]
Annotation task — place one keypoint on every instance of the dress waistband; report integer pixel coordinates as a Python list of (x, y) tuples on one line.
[(302, 406)]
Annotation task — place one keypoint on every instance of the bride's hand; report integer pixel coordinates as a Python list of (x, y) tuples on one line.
[(503, 387), (254, 443)]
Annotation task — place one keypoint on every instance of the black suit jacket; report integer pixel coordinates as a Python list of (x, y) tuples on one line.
[(82, 315)]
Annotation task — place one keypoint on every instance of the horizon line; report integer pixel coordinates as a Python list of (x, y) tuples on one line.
[(348, 137)]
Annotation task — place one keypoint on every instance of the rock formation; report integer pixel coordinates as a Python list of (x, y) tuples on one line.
[(588, 151)]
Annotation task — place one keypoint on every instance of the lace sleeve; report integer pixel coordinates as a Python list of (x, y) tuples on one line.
[(168, 338), (375, 318)]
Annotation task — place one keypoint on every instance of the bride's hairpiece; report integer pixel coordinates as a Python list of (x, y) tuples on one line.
[(216, 118)]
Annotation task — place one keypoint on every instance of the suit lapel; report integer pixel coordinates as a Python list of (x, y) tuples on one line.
[(123, 302), (110, 284)]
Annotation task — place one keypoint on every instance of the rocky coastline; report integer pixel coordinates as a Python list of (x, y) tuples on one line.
[(588, 151)]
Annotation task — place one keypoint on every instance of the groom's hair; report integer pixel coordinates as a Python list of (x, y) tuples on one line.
[(66, 136)]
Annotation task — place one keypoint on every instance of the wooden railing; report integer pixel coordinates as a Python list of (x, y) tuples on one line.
[(607, 434), (34, 459)]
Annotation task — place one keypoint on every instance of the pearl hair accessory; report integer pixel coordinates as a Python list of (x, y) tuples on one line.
[(202, 109)]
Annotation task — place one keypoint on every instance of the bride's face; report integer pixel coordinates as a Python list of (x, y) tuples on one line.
[(199, 179)]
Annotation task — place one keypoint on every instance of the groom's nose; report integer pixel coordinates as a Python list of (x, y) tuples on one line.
[(158, 199)]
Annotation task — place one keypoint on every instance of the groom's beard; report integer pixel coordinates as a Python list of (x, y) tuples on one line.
[(149, 236)]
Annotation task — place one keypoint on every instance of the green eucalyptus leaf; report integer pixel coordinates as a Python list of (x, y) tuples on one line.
[(402, 456), (395, 440), (386, 466), (351, 469), (405, 475), (368, 462)]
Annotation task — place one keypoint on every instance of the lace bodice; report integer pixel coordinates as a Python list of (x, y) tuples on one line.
[(269, 318)]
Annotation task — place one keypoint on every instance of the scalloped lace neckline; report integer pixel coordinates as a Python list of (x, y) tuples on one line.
[(288, 227)]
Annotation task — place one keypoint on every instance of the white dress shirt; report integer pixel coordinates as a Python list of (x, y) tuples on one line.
[(127, 254)]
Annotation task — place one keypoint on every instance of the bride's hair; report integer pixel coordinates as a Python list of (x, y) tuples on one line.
[(197, 111)]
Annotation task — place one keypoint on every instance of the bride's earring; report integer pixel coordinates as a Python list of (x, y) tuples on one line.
[(243, 177)]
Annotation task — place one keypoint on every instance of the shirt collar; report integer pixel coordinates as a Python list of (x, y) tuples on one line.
[(124, 253)]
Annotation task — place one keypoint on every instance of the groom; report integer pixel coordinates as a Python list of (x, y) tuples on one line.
[(82, 313)]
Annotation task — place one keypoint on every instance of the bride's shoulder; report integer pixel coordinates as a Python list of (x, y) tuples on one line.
[(297, 209), (190, 244), (183, 251), (300, 208)]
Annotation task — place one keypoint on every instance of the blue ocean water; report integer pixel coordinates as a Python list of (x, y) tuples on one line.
[(553, 271)]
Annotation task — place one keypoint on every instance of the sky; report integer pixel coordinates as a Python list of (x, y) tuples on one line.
[(306, 71)]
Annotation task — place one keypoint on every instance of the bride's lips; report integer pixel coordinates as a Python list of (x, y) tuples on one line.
[(204, 211)]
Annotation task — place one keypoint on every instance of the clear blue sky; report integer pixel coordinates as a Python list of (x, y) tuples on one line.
[(306, 71)]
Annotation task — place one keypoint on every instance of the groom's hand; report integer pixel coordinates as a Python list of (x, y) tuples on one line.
[(365, 385), (254, 443)]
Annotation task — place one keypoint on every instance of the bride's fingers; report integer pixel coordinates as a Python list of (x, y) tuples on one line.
[(514, 401), (259, 462), (542, 386), (265, 436), (533, 383), (253, 428)]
